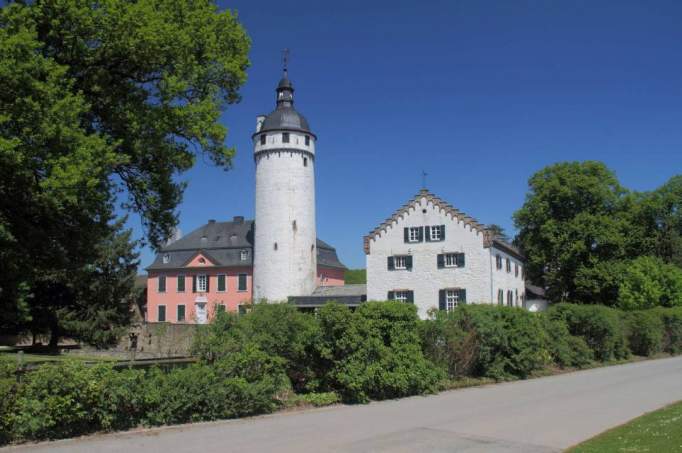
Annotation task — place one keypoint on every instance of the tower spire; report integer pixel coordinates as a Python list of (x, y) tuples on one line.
[(285, 90), (285, 61)]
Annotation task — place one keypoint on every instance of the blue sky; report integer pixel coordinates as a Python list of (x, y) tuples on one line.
[(479, 94)]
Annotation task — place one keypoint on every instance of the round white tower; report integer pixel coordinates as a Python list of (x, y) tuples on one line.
[(285, 250)]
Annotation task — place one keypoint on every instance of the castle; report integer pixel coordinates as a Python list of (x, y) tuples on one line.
[(428, 253)]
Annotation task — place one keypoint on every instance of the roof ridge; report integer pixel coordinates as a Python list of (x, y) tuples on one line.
[(436, 201)]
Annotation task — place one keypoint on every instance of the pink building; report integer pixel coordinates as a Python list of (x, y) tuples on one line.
[(211, 269)]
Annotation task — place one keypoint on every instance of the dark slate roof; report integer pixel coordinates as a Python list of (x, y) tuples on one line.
[(285, 118), (507, 247), (534, 292), (350, 295), (222, 243)]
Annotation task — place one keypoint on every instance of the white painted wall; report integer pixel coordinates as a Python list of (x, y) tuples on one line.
[(425, 279), (285, 215), (507, 280)]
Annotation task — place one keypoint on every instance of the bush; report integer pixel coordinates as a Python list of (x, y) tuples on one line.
[(314, 399), (648, 282), (487, 341), (600, 327), (672, 329), (644, 332), (374, 352), (565, 349), (8, 384), (279, 330)]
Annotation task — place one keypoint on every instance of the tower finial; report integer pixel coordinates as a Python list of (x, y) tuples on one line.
[(285, 60)]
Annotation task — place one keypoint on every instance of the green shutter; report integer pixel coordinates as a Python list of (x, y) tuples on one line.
[(162, 283), (181, 283), (162, 313), (427, 234), (406, 234), (442, 232), (463, 296), (194, 283), (460, 260), (410, 297), (408, 262), (421, 234), (391, 263), (181, 313), (441, 300), (221, 282), (391, 295), (208, 280), (440, 261)]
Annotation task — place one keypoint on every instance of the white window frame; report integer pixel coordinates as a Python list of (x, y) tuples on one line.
[(217, 285), (166, 258), (413, 234), (202, 278), (244, 255), (450, 260), (435, 229), (158, 284), (451, 299), (246, 283), (177, 313), (401, 296), (177, 280), (400, 262)]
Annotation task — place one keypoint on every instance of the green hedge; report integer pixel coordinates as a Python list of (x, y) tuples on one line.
[(250, 364)]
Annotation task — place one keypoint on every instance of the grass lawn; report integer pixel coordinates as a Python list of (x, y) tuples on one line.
[(659, 431)]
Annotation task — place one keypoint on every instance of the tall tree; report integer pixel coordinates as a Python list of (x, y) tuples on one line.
[(572, 220), (497, 231), (101, 100)]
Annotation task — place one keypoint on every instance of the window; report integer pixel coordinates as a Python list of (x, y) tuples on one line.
[(181, 313), (221, 283), (398, 263), (508, 265), (162, 283), (435, 233), (243, 255), (414, 234), (451, 260), (510, 302), (181, 283), (166, 258), (402, 295), (500, 297), (161, 315), (307, 140), (516, 269), (242, 282), (516, 297), (202, 283), (285, 137), (305, 161), (498, 261), (262, 139), (450, 298)]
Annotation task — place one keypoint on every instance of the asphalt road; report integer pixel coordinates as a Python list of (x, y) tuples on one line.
[(538, 415)]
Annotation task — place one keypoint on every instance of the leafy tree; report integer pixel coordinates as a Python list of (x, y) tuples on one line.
[(648, 282), (497, 231), (661, 214), (101, 101), (355, 276), (572, 220)]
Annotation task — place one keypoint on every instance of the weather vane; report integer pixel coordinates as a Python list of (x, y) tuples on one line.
[(285, 59)]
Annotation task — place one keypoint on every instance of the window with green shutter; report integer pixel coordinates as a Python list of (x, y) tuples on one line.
[(161, 315), (181, 313), (221, 283), (162, 283), (242, 282), (181, 283)]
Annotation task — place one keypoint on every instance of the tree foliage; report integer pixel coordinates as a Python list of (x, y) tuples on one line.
[(102, 102)]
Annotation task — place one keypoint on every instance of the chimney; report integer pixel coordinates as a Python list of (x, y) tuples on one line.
[(211, 220), (238, 219), (259, 122)]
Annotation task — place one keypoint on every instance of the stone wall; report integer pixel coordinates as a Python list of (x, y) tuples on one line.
[(158, 339)]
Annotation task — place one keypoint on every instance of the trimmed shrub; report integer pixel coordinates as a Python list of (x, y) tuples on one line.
[(374, 352), (600, 327), (565, 349), (672, 331), (487, 341), (644, 332), (8, 385)]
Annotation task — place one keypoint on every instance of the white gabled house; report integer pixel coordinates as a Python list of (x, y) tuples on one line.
[(431, 254)]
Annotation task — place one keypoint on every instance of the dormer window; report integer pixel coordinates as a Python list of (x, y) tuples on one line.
[(243, 255), (285, 137), (166, 258)]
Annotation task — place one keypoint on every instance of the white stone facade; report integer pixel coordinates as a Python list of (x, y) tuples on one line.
[(427, 278), (285, 258)]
